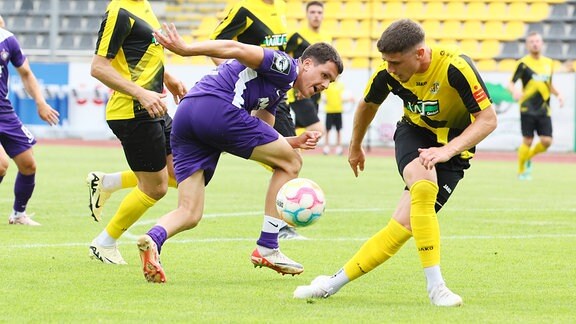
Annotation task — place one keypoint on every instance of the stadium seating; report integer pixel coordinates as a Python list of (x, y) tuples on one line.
[(491, 31)]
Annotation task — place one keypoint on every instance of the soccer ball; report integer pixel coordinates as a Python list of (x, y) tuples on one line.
[(300, 202)]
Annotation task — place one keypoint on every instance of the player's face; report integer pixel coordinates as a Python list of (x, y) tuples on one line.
[(315, 15), (403, 65), (534, 44), (314, 78)]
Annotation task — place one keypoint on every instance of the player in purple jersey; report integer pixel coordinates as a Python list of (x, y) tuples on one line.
[(15, 140), (232, 110)]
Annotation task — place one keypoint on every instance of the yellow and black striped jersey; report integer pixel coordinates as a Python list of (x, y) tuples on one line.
[(300, 40), (334, 102), (255, 22), (125, 36), (441, 99), (536, 77)]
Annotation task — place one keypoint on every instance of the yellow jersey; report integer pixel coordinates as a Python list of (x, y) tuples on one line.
[(441, 99), (125, 36), (255, 22), (334, 102), (536, 76)]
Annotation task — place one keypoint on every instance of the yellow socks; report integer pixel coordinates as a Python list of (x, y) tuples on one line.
[(523, 153), (131, 209), (537, 149), (424, 223), (377, 249), (129, 180)]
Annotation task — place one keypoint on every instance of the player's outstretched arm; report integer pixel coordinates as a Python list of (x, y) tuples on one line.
[(45, 111), (365, 113), (175, 86), (249, 55)]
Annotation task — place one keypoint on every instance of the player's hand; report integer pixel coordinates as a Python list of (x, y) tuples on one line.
[(176, 88), (356, 159), (48, 114), (517, 94), (429, 157), (560, 100), (153, 103), (169, 38), (306, 141)]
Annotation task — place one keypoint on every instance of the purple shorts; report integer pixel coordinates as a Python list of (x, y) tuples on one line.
[(204, 127), (15, 138)]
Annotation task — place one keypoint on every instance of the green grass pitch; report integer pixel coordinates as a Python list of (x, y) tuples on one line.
[(507, 249)]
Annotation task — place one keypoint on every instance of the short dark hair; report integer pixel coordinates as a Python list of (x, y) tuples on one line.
[(401, 36), (314, 3), (322, 53)]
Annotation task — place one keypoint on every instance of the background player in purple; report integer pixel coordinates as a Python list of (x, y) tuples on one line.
[(232, 110), (15, 140)]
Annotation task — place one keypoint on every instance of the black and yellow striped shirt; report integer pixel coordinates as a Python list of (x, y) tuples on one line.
[(125, 36), (441, 99), (536, 77)]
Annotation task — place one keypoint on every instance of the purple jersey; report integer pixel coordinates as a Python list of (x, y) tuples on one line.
[(247, 88), (10, 51)]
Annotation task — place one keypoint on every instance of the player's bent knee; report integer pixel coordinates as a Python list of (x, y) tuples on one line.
[(190, 218)]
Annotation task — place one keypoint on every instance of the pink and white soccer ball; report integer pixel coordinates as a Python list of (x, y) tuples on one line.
[(300, 202)]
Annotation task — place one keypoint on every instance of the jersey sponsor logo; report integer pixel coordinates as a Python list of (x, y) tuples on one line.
[(479, 94), (424, 108), (275, 40), (541, 77), (421, 84), (435, 87), (154, 41), (426, 248), (280, 63)]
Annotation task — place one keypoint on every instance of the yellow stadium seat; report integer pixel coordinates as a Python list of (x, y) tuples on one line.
[(470, 47), (332, 9), (486, 65), (455, 9), (360, 62), (451, 29), (363, 47), (517, 11), (432, 28), (514, 30), (507, 65), (493, 29), (393, 10), (435, 10), (356, 9), (472, 29), (295, 9), (414, 10), (497, 11), (537, 11), (477, 10), (489, 48)]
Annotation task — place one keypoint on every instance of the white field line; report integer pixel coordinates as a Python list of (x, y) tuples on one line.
[(336, 239), (132, 237)]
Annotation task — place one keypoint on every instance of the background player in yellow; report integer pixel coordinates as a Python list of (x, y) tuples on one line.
[(335, 98), (446, 113), (263, 23), (535, 71), (130, 61), (306, 109)]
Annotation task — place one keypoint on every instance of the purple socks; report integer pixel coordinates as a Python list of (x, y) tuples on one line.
[(158, 235)]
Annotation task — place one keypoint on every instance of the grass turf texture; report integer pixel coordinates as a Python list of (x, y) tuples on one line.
[(507, 249)]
